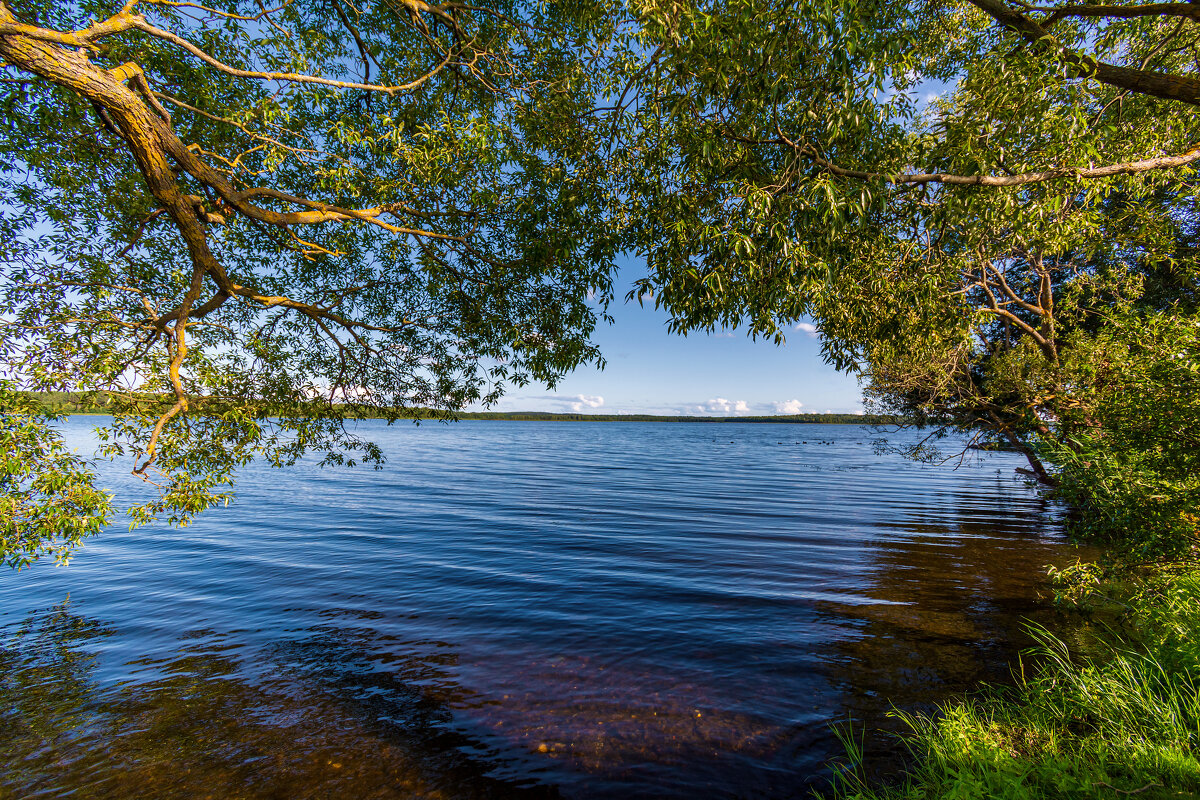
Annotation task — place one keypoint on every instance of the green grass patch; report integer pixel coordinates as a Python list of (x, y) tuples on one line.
[(1123, 722)]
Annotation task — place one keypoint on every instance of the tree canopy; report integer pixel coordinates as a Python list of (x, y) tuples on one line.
[(291, 211), (968, 197), (247, 221), (783, 142)]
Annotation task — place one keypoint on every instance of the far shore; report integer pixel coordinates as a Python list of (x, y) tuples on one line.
[(70, 404), (538, 416)]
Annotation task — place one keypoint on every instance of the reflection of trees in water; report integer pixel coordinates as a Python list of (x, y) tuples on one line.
[(952, 594), (332, 721), (46, 697)]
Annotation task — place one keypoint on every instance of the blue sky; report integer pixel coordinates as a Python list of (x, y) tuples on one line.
[(651, 371)]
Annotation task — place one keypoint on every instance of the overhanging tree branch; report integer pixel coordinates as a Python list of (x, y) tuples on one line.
[(1140, 81), (1189, 156), (125, 97), (290, 77), (1185, 10)]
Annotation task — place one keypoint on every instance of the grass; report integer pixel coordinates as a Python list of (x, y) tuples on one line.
[(1124, 722)]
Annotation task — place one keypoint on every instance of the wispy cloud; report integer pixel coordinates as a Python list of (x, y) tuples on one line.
[(549, 402), (713, 407), (807, 328), (716, 407)]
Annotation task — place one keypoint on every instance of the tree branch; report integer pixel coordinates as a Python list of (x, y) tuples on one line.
[(1186, 10), (118, 23), (291, 77), (1154, 84), (323, 212), (1191, 155), (264, 13)]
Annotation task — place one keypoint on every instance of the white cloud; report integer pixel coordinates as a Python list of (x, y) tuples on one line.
[(719, 405), (788, 407), (581, 401), (807, 328), (553, 403)]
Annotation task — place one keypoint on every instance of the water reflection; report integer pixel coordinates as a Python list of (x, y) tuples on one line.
[(951, 597), (333, 720), (344, 710)]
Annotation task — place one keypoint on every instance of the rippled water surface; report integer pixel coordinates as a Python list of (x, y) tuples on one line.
[(521, 609)]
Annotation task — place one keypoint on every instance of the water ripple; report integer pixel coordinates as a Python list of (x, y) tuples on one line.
[(583, 610)]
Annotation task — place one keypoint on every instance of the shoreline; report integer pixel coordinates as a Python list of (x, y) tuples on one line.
[(98, 404), (1116, 720)]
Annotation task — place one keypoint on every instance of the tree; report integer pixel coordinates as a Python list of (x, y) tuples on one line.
[(1026, 314), (1130, 463), (961, 194), (245, 222)]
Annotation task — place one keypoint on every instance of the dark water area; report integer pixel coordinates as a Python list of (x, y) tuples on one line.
[(523, 610)]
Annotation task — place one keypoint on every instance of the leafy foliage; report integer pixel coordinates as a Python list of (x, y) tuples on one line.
[(1132, 463), (376, 206), (48, 498), (398, 205), (959, 193)]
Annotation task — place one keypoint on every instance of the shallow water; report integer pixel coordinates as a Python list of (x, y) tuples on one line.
[(523, 609)]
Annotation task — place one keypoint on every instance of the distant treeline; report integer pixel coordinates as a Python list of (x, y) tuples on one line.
[(100, 403), (835, 419), (72, 402)]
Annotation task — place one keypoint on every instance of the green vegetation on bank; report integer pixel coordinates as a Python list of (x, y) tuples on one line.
[(1123, 721), (1123, 718)]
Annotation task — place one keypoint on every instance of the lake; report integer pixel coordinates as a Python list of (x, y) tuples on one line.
[(523, 609)]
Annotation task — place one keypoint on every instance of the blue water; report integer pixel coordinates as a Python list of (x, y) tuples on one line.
[(522, 609)]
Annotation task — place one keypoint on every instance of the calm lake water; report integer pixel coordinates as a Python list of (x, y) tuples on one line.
[(512, 609)]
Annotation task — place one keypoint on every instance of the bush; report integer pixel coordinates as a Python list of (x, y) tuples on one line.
[(1129, 459)]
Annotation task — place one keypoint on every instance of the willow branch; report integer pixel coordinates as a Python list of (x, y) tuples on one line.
[(118, 23), (1191, 155), (1030, 307), (173, 370), (324, 212), (312, 311), (1154, 84), (291, 77), (265, 12), (1187, 10), (995, 308)]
